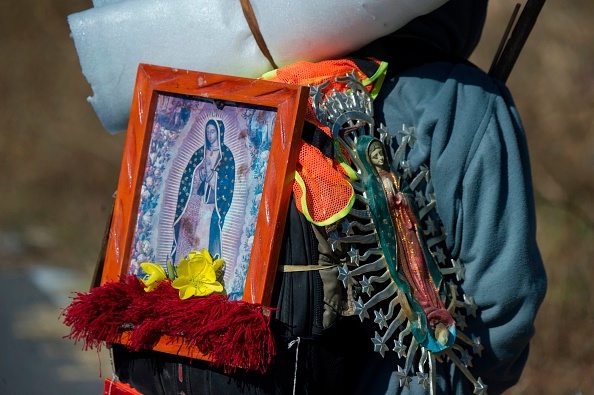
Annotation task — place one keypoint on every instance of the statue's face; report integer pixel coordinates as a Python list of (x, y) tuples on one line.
[(211, 133), (377, 156)]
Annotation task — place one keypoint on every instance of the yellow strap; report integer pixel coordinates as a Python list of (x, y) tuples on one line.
[(269, 74), (342, 162), (378, 77), (339, 215)]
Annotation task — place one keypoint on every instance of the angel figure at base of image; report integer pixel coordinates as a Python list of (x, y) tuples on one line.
[(205, 196), (174, 113), (395, 269)]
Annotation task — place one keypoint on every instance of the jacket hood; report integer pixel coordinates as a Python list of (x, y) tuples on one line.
[(455, 28)]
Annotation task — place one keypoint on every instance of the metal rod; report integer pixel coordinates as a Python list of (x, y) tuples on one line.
[(518, 38), (505, 37)]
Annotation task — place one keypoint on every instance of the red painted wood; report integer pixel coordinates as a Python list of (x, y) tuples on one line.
[(290, 103)]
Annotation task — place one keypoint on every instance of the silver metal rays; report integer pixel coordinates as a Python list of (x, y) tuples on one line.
[(365, 271)]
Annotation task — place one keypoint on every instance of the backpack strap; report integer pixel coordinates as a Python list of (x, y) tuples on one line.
[(250, 17)]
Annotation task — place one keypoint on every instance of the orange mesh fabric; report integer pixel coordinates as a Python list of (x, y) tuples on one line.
[(328, 194), (308, 73)]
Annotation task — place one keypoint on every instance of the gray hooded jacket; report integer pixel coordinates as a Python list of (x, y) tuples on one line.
[(470, 135)]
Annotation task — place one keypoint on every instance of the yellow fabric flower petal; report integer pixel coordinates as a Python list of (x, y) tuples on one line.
[(154, 275), (217, 264), (208, 275), (203, 291), (187, 292), (197, 275), (206, 256), (197, 267), (180, 282), (215, 287), (182, 268)]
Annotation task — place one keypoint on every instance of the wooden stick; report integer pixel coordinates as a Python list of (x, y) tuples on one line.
[(505, 63), (505, 37), (96, 281)]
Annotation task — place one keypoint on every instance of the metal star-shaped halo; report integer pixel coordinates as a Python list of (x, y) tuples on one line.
[(334, 241), (425, 170), (420, 199), (423, 379), (458, 269), (366, 286), (470, 306), (317, 89), (380, 319), (461, 321), (399, 348), (352, 78), (431, 228), (478, 347), (403, 377), (408, 135), (347, 229), (354, 255), (360, 309), (439, 255), (344, 275), (407, 169), (480, 388), (384, 133), (466, 358), (452, 286), (379, 345)]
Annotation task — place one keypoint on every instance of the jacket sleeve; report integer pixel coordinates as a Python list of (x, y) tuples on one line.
[(489, 214)]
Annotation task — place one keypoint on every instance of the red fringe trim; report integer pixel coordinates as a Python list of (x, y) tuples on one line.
[(231, 333)]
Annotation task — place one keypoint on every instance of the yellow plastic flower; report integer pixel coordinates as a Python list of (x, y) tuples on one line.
[(154, 275), (197, 275)]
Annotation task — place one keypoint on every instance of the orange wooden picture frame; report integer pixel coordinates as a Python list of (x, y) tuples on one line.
[(287, 101)]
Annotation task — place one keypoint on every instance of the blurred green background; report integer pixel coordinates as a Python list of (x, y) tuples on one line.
[(60, 168)]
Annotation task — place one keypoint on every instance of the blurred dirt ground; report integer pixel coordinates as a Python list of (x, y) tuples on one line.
[(60, 168)]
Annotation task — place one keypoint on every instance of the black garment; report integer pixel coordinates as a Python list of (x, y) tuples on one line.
[(329, 359)]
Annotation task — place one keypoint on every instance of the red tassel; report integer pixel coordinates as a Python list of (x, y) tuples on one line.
[(97, 316), (232, 333)]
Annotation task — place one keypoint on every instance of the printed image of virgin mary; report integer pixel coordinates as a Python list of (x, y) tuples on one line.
[(205, 195)]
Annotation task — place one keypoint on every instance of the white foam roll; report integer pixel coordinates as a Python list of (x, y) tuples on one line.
[(213, 36)]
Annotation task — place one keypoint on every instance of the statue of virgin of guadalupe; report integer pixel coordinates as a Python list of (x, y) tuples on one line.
[(410, 264), (205, 195)]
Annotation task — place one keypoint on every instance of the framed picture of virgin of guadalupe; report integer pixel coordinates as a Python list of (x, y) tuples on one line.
[(207, 168)]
